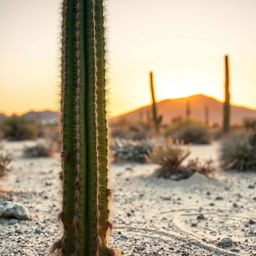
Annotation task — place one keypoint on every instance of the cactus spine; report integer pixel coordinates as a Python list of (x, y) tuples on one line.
[(156, 119), (226, 105), (85, 200)]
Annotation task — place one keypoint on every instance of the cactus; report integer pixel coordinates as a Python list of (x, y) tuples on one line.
[(84, 156), (226, 105), (206, 116), (155, 118), (188, 110)]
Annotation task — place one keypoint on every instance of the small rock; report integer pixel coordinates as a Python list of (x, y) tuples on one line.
[(252, 222), (13, 210), (201, 217), (193, 225), (13, 221), (219, 198), (251, 186), (235, 205), (225, 242)]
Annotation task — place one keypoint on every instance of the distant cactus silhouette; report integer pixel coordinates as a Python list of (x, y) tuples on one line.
[(226, 105), (84, 157), (206, 116), (188, 110), (155, 118)]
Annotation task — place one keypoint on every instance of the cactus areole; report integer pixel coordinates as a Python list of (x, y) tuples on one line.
[(84, 157)]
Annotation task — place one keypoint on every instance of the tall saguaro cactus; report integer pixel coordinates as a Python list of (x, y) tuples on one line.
[(226, 105), (85, 201), (156, 119)]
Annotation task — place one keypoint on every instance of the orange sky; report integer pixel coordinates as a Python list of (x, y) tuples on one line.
[(183, 41)]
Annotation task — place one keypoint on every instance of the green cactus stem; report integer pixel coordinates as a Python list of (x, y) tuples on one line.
[(155, 118), (84, 127), (226, 105)]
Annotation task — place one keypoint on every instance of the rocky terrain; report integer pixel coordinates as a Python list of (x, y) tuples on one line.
[(197, 216)]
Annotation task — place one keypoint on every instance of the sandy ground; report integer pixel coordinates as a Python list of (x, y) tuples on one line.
[(151, 216)]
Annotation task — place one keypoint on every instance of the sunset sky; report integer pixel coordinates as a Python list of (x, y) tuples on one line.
[(182, 41)]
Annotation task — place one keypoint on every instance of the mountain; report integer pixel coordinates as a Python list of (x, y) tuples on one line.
[(43, 116), (173, 108)]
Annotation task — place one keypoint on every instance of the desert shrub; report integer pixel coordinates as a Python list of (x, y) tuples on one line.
[(204, 167), (190, 132), (39, 150), (130, 131), (5, 160), (250, 123), (18, 128), (130, 151), (238, 152), (171, 158)]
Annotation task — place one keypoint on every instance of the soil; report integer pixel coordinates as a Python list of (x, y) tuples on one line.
[(151, 216)]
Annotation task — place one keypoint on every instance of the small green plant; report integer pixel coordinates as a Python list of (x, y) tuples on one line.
[(5, 160), (226, 105), (189, 131), (19, 128), (238, 152), (155, 118), (250, 124)]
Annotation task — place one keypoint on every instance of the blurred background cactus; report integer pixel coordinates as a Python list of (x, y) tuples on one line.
[(155, 117), (84, 156), (188, 110), (226, 105)]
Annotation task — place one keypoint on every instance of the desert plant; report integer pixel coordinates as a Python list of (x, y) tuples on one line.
[(188, 110), (189, 131), (19, 128), (204, 167), (84, 157), (155, 118), (38, 150), (238, 152), (250, 123), (206, 116), (226, 105), (5, 160), (130, 151), (169, 156)]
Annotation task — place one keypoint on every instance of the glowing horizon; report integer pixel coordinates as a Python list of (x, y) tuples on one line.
[(182, 41)]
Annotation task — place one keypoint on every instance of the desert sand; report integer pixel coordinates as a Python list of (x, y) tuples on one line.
[(151, 216)]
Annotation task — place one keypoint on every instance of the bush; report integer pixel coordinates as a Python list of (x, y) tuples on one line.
[(171, 158), (5, 160), (190, 132), (130, 131), (238, 152), (39, 150), (130, 151), (18, 128)]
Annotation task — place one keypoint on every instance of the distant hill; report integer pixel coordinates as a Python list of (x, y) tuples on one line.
[(44, 116), (172, 108)]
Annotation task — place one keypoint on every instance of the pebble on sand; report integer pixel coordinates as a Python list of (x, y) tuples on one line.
[(13, 210), (225, 242)]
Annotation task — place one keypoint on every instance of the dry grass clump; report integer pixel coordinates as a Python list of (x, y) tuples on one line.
[(5, 160), (171, 158), (238, 152), (39, 150)]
